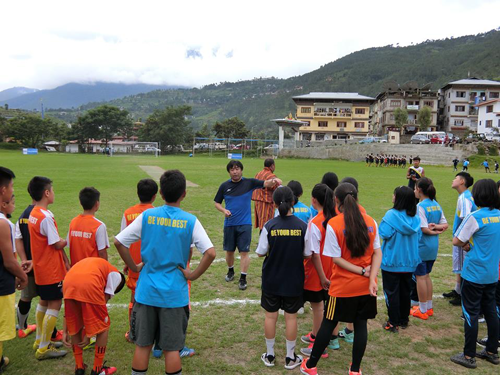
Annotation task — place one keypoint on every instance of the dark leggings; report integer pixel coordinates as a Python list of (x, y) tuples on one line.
[(324, 335)]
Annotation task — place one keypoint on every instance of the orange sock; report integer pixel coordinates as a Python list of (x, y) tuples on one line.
[(100, 351), (78, 353)]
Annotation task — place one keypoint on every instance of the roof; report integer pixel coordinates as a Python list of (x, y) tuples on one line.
[(473, 82), (487, 102), (333, 96)]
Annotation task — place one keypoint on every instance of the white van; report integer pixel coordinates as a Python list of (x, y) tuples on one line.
[(429, 135)]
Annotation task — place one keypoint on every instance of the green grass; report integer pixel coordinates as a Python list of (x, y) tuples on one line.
[(230, 339)]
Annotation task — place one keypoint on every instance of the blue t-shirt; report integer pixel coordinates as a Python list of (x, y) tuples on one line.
[(166, 236), (429, 212), (302, 212), (314, 212), (238, 198), (465, 205), (481, 229), (486, 165)]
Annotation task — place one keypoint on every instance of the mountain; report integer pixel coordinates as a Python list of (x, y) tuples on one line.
[(74, 95), (14, 92)]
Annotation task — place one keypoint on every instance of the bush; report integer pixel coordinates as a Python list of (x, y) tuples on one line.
[(481, 150), (493, 149), (10, 146)]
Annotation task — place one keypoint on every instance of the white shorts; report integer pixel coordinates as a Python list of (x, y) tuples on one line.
[(458, 259)]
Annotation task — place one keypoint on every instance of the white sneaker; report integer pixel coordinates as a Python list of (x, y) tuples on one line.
[(290, 364), (268, 359)]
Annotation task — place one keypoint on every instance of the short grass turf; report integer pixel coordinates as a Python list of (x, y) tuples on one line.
[(229, 339)]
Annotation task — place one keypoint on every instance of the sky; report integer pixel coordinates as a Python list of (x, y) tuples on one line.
[(45, 44)]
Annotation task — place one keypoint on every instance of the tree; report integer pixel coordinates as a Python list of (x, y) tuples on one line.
[(231, 128), (400, 117), (29, 129), (104, 122), (204, 131), (169, 126), (424, 118)]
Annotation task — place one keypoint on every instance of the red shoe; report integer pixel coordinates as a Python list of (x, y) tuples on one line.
[(413, 309), (420, 315), (105, 370), (355, 373), (58, 337), (308, 371), (22, 333), (430, 312)]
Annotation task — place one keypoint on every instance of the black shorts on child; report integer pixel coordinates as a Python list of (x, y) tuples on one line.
[(349, 309), (51, 292), (272, 303), (315, 297)]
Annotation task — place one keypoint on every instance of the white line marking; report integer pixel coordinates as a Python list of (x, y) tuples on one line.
[(221, 260)]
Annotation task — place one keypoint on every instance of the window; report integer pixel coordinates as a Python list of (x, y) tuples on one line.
[(323, 124), (459, 108), (489, 123), (460, 94), (494, 95), (489, 108), (307, 123), (429, 104), (448, 108), (359, 124), (395, 103), (359, 111), (459, 122), (341, 124), (391, 117), (305, 110)]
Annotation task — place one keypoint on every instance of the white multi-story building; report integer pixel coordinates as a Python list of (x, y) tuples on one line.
[(460, 100), (489, 116)]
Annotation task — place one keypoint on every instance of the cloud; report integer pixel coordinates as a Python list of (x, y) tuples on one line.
[(230, 54), (193, 53)]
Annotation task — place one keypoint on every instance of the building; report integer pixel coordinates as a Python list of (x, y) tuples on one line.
[(333, 115), (460, 99), (409, 97), (489, 116)]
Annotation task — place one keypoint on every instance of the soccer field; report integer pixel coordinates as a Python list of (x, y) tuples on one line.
[(226, 324)]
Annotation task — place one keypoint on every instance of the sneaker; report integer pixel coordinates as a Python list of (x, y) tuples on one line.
[(186, 352), (430, 312), (50, 352), (105, 370), (22, 333), (491, 358), (230, 276), (461, 360), (451, 294), (81, 371), (308, 371), (91, 344), (404, 325), (242, 284), (56, 345), (58, 336), (290, 363), (390, 328), (354, 372), (457, 301), (482, 342), (419, 314), (127, 337), (3, 363), (301, 311), (268, 359), (308, 339), (481, 319), (334, 344), (307, 351), (348, 337)]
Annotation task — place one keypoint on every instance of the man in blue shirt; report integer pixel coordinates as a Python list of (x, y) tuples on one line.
[(237, 195)]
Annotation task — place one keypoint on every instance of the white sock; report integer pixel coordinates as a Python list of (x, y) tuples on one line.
[(429, 305), (423, 307), (21, 318), (270, 346), (457, 288), (290, 349)]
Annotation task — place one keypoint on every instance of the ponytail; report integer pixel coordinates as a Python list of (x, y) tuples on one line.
[(356, 230), (284, 199), (324, 195), (427, 187)]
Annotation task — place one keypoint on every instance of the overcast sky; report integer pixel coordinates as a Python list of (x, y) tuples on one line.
[(45, 44)]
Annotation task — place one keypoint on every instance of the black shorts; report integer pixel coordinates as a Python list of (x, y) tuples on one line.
[(349, 309), (237, 236), (51, 292), (315, 297), (272, 303)]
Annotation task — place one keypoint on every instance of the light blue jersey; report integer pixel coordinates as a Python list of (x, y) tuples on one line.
[(430, 212), (302, 212), (314, 212), (465, 205)]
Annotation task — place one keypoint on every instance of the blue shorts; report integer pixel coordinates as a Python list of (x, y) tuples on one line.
[(424, 268), (238, 236)]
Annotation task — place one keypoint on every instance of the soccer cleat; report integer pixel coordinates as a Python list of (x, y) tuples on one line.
[(308, 339), (390, 328), (242, 284), (230, 276), (430, 312), (105, 370), (81, 371), (461, 360), (56, 345), (36, 344), (482, 342), (91, 343), (348, 337), (58, 336), (334, 344), (308, 371), (22, 333), (4, 361), (307, 351), (491, 358), (186, 352), (268, 359), (354, 372), (127, 337), (290, 363), (404, 325), (452, 294), (49, 353), (457, 301), (419, 314)]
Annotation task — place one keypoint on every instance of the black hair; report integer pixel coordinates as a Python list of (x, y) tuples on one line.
[(356, 230), (172, 185), (352, 181), (469, 180), (146, 190), (498, 184), (427, 187), (485, 194), (121, 285), (88, 197), (37, 186), (324, 195), (331, 180), (268, 162), (234, 163), (296, 190), (6, 176), (283, 198), (416, 158), (405, 200)]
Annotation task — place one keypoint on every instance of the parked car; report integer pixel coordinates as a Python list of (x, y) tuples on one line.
[(437, 140), (240, 146), (419, 139), (272, 146), (380, 140), (475, 137), (367, 140)]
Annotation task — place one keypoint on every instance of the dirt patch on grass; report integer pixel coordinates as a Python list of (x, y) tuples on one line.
[(156, 172)]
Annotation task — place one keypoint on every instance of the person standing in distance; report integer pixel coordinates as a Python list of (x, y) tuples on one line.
[(263, 198)]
